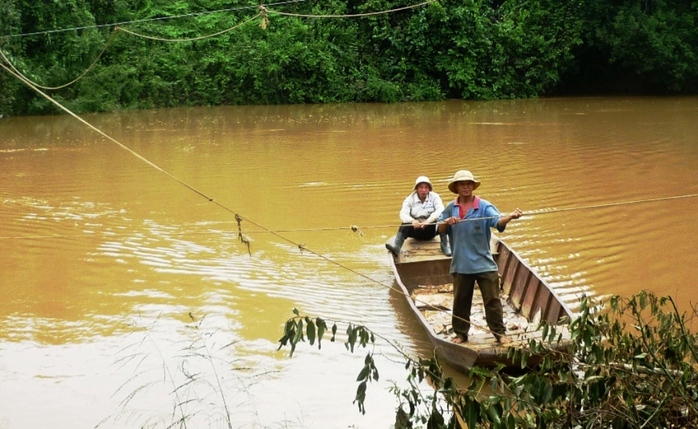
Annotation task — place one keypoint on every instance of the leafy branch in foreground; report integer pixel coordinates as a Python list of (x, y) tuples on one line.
[(632, 364), (299, 327)]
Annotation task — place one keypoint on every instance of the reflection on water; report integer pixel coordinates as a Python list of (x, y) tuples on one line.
[(101, 251)]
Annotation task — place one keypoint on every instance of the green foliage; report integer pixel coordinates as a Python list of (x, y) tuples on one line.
[(10, 23), (472, 49), (637, 46), (294, 331), (298, 328), (632, 364)]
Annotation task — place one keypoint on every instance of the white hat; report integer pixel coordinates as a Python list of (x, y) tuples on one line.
[(423, 179), (462, 176)]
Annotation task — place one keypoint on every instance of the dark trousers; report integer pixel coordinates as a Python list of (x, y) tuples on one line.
[(426, 233), (463, 289)]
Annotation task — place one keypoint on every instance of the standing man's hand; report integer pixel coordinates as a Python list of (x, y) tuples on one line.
[(442, 226), (503, 220)]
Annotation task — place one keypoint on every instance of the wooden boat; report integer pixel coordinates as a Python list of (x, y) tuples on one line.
[(422, 272)]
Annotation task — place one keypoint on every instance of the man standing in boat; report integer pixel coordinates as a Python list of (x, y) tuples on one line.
[(468, 221), (419, 213)]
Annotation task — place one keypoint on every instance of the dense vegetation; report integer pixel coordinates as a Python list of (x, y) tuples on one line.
[(632, 364), (470, 49)]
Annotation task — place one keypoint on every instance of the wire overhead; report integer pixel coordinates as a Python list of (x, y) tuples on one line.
[(145, 20), (191, 39), (263, 13), (211, 12)]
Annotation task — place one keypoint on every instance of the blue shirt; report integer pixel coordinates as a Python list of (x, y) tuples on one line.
[(470, 238)]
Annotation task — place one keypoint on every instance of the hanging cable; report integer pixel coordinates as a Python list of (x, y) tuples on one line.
[(264, 13), (195, 14), (355, 15), (141, 21), (191, 39), (106, 45)]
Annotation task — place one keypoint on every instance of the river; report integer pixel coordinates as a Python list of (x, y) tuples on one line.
[(127, 298)]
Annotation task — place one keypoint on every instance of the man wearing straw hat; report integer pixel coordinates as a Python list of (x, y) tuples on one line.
[(419, 213), (468, 220)]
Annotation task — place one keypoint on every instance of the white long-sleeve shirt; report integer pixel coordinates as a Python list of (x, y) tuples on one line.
[(414, 209)]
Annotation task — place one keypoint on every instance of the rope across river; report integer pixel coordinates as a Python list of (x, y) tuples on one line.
[(360, 229)]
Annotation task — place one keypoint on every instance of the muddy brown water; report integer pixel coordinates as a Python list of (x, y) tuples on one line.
[(115, 276)]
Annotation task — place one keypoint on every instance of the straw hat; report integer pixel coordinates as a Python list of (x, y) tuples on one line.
[(462, 176), (423, 179)]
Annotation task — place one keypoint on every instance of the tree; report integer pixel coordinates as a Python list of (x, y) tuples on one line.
[(638, 46), (185, 53), (10, 22)]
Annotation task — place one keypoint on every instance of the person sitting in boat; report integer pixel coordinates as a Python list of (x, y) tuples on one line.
[(468, 221), (419, 213)]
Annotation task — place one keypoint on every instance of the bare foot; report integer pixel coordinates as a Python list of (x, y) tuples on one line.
[(460, 339), (503, 340)]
